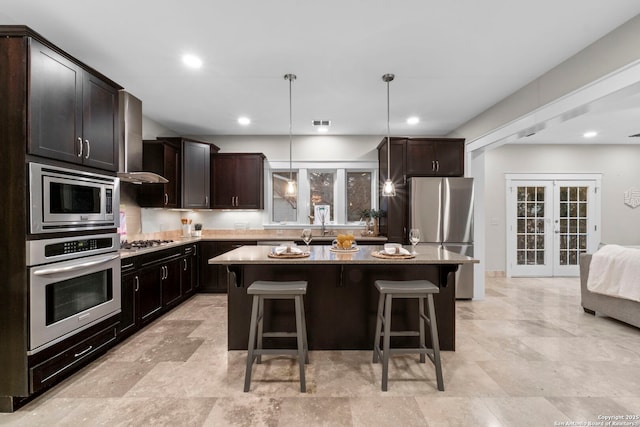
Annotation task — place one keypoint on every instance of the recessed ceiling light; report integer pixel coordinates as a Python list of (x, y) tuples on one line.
[(323, 129), (244, 121), (413, 120), (590, 134), (192, 61)]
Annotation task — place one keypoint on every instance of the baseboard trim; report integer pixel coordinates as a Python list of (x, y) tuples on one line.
[(495, 273)]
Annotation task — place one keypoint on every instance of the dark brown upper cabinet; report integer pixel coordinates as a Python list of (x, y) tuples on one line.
[(434, 157), (163, 158), (186, 164), (196, 170), (73, 112), (413, 157), (237, 181)]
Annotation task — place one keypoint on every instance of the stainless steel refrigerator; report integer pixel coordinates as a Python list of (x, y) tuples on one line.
[(442, 209)]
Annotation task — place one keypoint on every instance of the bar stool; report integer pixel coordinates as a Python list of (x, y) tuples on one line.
[(419, 289), (262, 290)]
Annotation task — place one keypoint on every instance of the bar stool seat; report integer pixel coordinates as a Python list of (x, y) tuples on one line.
[(420, 289), (262, 290)]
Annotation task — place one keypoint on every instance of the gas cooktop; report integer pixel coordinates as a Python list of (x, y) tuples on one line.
[(142, 244)]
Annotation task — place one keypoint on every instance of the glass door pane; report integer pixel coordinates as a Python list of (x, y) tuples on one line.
[(532, 206), (572, 224)]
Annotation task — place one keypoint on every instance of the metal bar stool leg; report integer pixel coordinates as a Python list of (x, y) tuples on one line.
[(421, 318), (252, 343), (376, 343), (260, 327), (301, 349), (435, 342), (304, 333), (386, 340)]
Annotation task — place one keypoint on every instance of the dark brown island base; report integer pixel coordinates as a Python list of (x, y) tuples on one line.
[(341, 299)]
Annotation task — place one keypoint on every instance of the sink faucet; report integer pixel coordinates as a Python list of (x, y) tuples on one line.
[(322, 215)]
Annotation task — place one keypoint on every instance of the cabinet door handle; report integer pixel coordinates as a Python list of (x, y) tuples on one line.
[(437, 165), (79, 147), (185, 264), (433, 165), (86, 156), (166, 199), (83, 351), (237, 202), (137, 280), (206, 200)]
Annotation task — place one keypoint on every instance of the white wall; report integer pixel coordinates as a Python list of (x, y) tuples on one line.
[(618, 165), (275, 148), (307, 148)]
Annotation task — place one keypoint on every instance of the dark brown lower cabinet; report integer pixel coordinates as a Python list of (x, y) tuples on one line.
[(171, 282), (58, 361), (154, 283), (149, 294), (189, 270)]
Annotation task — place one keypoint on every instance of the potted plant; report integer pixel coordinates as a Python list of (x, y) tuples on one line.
[(372, 217), (197, 230)]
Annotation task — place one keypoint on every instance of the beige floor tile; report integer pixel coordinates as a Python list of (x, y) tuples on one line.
[(527, 355), (106, 379), (587, 409), (525, 411), (245, 411), (457, 412), (386, 411), (319, 411)]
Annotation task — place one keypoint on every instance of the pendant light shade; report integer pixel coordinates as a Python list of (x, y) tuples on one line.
[(388, 188), (291, 184)]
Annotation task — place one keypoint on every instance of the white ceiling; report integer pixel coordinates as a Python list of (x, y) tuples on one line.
[(452, 59)]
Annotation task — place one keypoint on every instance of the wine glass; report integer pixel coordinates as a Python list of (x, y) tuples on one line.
[(414, 238), (306, 237)]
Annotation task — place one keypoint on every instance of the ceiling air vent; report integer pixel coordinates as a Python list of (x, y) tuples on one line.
[(322, 122)]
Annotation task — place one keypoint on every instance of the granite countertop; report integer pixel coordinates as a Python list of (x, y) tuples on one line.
[(239, 237), (324, 255)]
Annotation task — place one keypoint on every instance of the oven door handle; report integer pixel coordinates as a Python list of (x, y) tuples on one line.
[(75, 267)]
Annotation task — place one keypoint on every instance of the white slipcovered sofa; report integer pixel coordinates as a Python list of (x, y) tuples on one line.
[(622, 309)]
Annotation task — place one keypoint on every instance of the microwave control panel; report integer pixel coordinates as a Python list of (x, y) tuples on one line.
[(76, 246)]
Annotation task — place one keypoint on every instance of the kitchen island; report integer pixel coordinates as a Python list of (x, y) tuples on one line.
[(341, 299)]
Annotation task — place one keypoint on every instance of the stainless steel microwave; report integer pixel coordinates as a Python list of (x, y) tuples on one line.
[(70, 200)]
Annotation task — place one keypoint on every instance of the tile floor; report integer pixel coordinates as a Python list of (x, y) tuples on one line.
[(527, 355)]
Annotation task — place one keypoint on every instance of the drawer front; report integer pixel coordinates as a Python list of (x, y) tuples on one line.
[(53, 368)]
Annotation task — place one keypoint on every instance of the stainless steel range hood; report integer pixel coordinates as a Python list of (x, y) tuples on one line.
[(130, 169)]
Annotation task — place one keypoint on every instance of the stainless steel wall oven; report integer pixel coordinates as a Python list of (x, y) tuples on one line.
[(74, 282), (63, 200)]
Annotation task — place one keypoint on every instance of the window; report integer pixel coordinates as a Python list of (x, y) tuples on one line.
[(284, 209), (321, 192), (358, 194), (347, 188)]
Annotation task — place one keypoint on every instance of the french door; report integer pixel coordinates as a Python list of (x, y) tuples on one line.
[(551, 220)]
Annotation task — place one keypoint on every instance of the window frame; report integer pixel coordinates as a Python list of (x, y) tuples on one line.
[(340, 189)]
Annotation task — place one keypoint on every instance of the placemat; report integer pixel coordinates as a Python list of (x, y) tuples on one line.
[(387, 256), (288, 255), (332, 249)]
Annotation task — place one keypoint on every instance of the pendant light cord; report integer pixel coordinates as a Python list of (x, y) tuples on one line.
[(388, 78), (388, 136), (290, 77)]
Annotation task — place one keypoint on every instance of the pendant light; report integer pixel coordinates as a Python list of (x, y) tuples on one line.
[(291, 184), (388, 189)]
